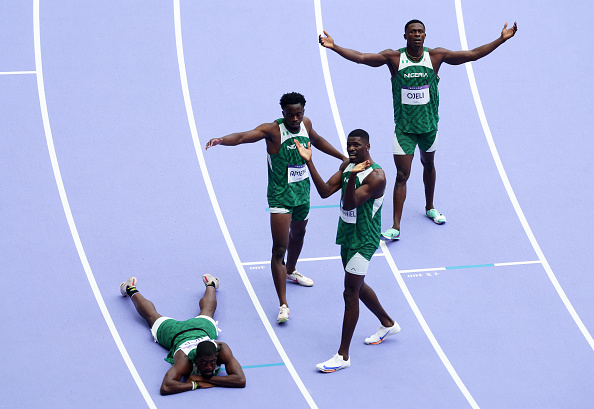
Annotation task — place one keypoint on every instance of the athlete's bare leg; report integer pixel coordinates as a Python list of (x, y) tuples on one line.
[(280, 224), (352, 286), (296, 235), (429, 176), (367, 295), (145, 308), (403, 166)]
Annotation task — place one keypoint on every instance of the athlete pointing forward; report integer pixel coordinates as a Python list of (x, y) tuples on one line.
[(414, 70)]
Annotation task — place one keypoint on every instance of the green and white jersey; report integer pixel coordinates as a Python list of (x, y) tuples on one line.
[(361, 226), (415, 95), (288, 176)]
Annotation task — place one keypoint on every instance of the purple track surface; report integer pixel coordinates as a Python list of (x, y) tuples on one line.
[(101, 180)]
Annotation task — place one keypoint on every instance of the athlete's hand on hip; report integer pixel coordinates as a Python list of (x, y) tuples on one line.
[(327, 41), (214, 142), (303, 151), (359, 167), (508, 33)]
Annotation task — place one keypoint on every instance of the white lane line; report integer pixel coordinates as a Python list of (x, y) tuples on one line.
[(219, 214), (68, 212), (409, 298), (328, 79), (444, 359), (17, 72), (258, 263), (507, 184)]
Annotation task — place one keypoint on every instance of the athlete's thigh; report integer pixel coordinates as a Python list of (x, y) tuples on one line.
[(279, 227), (403, 164), (427, 157)]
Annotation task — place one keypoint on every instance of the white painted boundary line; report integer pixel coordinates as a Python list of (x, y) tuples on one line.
[(401, 283), (428, 332), (17, 72), (257, 263), (218, 212), (507, 184), (68, 212), (328, 79)]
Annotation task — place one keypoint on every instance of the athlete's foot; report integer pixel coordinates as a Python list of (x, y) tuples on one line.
[(334, 364), (283, 314), (300, 279), (210, 280), (436, 216), (391, 234), (382, 333), (131, 282)]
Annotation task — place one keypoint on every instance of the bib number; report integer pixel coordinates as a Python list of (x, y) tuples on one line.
[(348, 216), (297, 173), (415, 95)]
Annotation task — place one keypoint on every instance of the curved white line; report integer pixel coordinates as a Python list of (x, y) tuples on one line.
[(328, 79), (68, 212), (507, 184), (218, 212), (386, 252)]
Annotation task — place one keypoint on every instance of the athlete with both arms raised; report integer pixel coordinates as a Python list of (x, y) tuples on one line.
[(414, 70), (288, 187), (363, 183)]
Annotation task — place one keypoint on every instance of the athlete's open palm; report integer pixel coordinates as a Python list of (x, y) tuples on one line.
[(303, 151), (508, 33), (327, 41)]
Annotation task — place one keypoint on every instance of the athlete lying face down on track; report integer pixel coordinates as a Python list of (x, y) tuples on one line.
[(194, 352)]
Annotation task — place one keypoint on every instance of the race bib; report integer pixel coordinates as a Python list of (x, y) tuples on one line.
[(415, 95), (348, 216), (297, 173)]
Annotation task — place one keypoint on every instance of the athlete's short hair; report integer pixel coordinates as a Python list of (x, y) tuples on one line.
[(360, 133), (206, 348), (413, 22), (292, 98)]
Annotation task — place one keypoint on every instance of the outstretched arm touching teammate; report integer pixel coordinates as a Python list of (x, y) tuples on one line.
[(325, 189)]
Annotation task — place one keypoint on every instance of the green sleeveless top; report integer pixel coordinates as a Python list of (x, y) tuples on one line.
[(415, 95), (361, 226), (288, 176)]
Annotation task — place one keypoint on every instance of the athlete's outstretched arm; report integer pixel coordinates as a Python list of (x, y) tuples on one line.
[(325, 189), (234, 378), (322, 144), (461, 57), (261, 132), (370, 59)]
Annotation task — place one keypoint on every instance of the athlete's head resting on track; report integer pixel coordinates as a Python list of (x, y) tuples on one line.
[(358, 146), (206, 358), (293, 105)]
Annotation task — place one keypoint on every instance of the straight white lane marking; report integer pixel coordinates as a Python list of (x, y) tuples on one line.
[(428, 333), (257, 263), (507, 184), (68, 212), (219, 214), (16, 72), (444, 359)]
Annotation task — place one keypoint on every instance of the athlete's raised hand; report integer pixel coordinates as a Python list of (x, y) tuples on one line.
[(303, 151), (214, 142), (327, 41), (508, 33), (360, 167)]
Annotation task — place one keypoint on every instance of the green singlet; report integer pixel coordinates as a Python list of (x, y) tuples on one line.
[(415, 95), (288, 177), (361, 226)]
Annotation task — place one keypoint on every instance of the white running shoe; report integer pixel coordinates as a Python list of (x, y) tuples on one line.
[(300, 279), (334, 364), (382, 333), (436, 216), (131, 282), (283, 314), (208, 279)]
